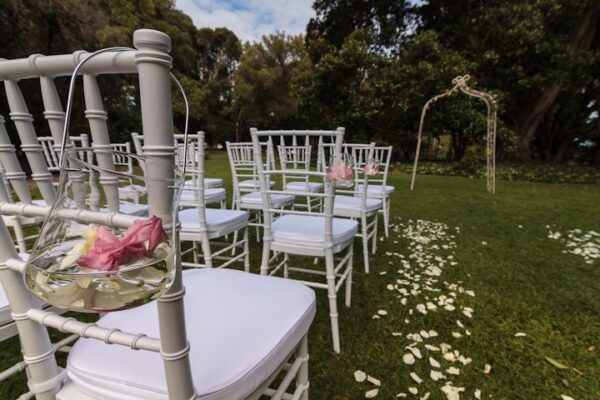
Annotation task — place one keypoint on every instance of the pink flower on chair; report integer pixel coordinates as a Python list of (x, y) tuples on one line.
[(109, 251), (372, 169), (340, 173)]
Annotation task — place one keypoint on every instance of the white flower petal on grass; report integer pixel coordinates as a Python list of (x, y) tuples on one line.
[(459, 323), (434, 363), (371, 394), (416, 377), (359, 376), (453, 371), (565, 397), (374, 381), (470, 293), (450, 357), (487, 368), (467, 313), (396, 333), (477, 394), (431, 347), (421, 308), (382, 312), (376, 317), (424, 334), (484, 243), (390, 287), (416, 352), (456, 335), (413, 390), (433, 333), (401, 395), (436, 375), (452, 392), (520, 334), (426, 396), (408, 359)]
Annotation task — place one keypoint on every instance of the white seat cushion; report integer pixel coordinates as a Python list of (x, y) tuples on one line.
[(134, 188), (5, 312), (208, 182), (252, 184), (303, 230), (125, 207), (350, 206), (216, 219), (210, 196), (277, 200), (376, 189), (241, 327), (304, 187)]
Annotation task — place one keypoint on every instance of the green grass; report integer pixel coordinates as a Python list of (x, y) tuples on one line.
[(522, 280)]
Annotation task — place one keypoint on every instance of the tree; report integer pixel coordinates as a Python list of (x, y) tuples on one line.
[(267, 70)]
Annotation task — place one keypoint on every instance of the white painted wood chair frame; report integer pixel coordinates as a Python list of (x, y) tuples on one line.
[(245, 178), (51, 149), (227, 252), (152, 63), (275, 256)]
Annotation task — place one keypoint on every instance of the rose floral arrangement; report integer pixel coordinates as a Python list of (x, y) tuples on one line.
[(340, 173), (372, 168), (103, 251)]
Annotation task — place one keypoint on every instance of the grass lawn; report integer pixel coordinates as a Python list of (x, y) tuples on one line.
[(522, 281)]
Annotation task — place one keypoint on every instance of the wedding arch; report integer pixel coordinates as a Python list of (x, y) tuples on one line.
[(460, 85)]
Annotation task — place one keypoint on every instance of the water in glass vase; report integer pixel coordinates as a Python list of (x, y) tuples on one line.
[(90, 290)]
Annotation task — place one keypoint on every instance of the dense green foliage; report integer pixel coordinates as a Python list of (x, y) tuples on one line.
[(523, 282), (366, 65)]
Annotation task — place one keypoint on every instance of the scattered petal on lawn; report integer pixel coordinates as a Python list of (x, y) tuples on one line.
[(433, 362), (374, 381), (484, 243), (456, 335), (436, 375), (487, 368), (426, 396), (565, 397), (453, 371), (413, 390), (396, 333), (467, 313), (477, 394), (399, 395), (376, 316), (421, 308), (460, 324), (359, 376), (390, 287), (557, 364), (416, 352), (408, 359), (371, 394), (433, 333), (520, 334), (416, 377), (432, 347), (382, 312), (452, 392)]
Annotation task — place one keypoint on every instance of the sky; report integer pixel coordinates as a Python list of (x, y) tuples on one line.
[(250, 19)]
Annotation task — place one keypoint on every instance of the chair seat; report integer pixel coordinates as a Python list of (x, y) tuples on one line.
[(5, 312), (210, 196), (140, 210), (303, 187), (376, 189), (277, 200), (252, 184), (217, 220), (350, 206), (241, 327), (208, 182), (309, 231), (134, 188)]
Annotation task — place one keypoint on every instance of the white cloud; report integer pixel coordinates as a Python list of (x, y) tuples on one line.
[(250, 19)]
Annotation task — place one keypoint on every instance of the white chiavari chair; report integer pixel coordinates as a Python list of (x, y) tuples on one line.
[(209, 229), (311, 233), (246, 188), (297, 156), (51, 149), (239, 335), (378, 187), (351, 203)]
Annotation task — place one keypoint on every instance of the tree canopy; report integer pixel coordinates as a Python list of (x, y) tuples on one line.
[(366, 65)]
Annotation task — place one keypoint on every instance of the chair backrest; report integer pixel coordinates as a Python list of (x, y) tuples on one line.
[(301, 169), (241, 162), (151, 62), (51, 149)]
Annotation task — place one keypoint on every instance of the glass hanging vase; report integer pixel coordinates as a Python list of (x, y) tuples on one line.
[(119, 257), (341, 171)]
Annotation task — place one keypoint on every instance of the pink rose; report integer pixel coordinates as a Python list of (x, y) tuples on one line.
[(372, 169), (109, 251), (340, 173)]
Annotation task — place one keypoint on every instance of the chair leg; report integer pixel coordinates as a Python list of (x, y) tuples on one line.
[(246, 251), (264, 265), (332, 295), (286, 271), (364, 230), (375, 229), (349, 278), (206, 253), (302, 377), (20, 236), (386, 215), (223, 206)]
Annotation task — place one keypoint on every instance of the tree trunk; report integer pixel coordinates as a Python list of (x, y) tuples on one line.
[(582, 40)]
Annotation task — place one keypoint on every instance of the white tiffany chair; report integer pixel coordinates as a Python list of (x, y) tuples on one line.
[(351, 203), (209, 229), (189, 196), (138, 144), (230, 335), (246, 187), (51, 149), (124, 162), (378, 187), (297, 156), (307, 233)]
